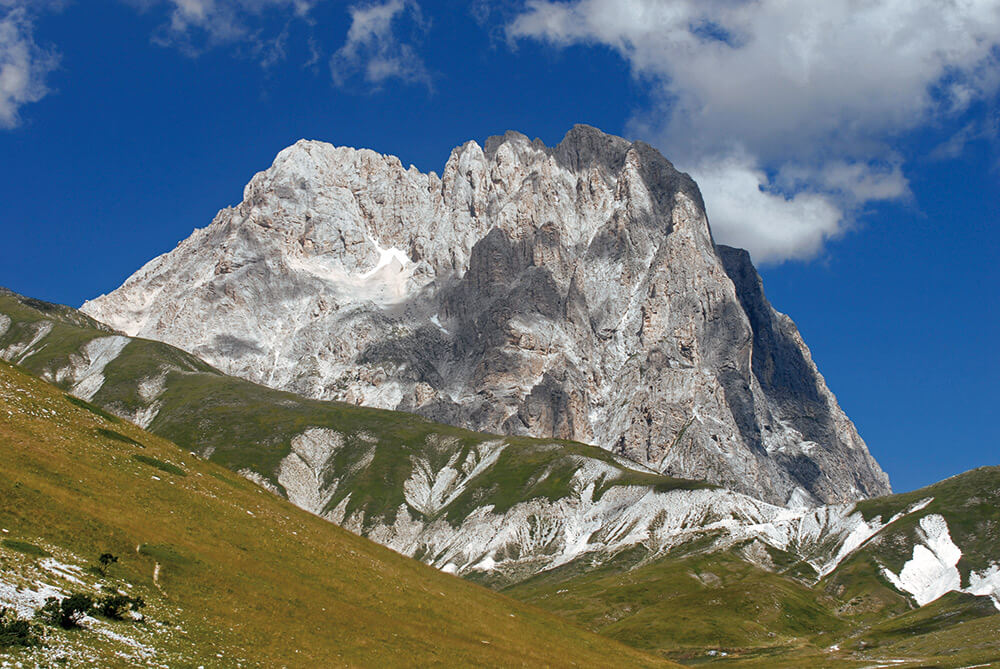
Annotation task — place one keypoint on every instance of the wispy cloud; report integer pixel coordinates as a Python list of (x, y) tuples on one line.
[(193, 26), (374, 49), (786, 111), (24, 65)]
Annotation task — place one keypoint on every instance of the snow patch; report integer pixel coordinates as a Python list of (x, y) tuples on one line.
[(437, 321), (388, 281), (857, 531), (986, 583), (933, 570)]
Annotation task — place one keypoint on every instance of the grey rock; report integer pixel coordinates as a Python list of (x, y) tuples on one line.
[(569, 292)]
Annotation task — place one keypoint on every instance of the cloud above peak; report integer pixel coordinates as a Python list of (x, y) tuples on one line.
[(195, 25), (374, 48), (809, 93)]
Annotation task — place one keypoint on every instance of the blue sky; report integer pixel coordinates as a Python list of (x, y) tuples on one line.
[(851, 147)]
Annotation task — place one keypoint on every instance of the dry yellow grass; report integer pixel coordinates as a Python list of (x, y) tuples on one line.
[(245, 577)]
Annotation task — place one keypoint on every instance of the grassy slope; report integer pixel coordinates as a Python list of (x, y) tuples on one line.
[(776, 618), (685, 608), (682, 606), (772, 620), (969, 502), (244, 573)]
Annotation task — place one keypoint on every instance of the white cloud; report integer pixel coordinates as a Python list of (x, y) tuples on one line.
[(373, 48), (194, 25), (745, 212), (812, 92), (24, 65)]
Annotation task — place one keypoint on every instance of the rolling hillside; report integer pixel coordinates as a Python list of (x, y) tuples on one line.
[(682, 569), (921, 591), (231, 575)]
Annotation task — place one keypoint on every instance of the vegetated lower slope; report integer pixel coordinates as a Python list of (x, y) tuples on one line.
[(953, 543), (231, 575), (396, 477), (671, 566), (754, 605)]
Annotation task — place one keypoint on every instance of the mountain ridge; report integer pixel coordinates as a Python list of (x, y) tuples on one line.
[(567, 292)]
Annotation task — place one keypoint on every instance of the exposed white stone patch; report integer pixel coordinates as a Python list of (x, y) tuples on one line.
[(68, 572), (151, 387), (336, 515), (852, 531), (431, 487), (262, 481), (149, 390), (143, 417), (756, 553), (4, 324), (85, 370), (25, 601), (932, 571), (301, 472), (19, 351)]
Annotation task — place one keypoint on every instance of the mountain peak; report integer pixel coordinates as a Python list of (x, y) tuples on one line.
[(568, 292)]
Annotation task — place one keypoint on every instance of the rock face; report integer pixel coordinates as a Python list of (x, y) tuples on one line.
[(571, 292)]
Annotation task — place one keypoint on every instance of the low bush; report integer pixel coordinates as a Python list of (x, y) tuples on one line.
[(115, 605), (68, 612), (118, 436), (16, 632)]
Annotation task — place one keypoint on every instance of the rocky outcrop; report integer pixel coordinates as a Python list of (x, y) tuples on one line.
[(570, 292)]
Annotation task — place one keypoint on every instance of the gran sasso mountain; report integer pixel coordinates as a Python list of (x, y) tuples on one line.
[(572, 292), (677, 567)]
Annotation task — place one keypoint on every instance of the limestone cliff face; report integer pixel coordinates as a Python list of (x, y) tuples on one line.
[(570, 292)]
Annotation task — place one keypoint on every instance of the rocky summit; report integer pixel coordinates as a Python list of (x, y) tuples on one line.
[(567, 292)]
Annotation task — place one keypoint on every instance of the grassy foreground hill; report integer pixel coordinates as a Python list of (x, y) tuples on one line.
[(231, 575)]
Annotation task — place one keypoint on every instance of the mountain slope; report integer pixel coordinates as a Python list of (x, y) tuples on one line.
[(657, 562), (490, 508), (494, 509), (232, 576), (568, 292), (920, 588)]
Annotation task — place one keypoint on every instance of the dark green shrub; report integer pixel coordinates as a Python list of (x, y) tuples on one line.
[(107, 559), (25, 547), (16, 632), (116, 605), (118, 436), (68, 612), (92, 409)]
